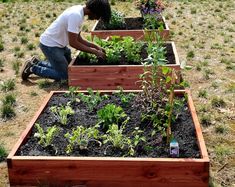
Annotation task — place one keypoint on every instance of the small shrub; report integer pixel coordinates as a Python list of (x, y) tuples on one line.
[(202, 93), (8, 85), (16, 48), (30, 46), (198, 67), (24, 40), (206, 119), (222, 151), (220, 129), (218, 102), (7, 111), (3, 153), (16, 66), (19, 54), (190, 54), (215, 84), (9, 99)]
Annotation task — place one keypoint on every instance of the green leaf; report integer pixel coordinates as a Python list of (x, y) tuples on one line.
[(165, 70)]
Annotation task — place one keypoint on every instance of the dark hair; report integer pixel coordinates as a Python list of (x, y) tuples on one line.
[(101, 8)]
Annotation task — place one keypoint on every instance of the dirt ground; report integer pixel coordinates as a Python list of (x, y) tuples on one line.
[(204, 35)]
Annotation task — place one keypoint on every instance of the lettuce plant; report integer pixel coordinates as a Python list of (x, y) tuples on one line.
[(91, 99), (45, 137), (111, 114), (118, 140), (62, 113), (81, 136)]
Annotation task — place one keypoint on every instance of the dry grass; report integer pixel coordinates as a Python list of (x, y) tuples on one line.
[(204, 35)]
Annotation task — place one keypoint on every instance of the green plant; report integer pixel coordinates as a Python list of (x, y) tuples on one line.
[(113, 55), (153, 21), (1, 46), (24, 40), (8, 85), (45, 137), (206, 119), (1, 63), (111, 114), (9, 99), (16, 48), (193, 10), (19, 54), (45, 83), (62, 112), (218, 102), (3, 153), (157, 99), (81, 136), (132, 49), (7, 111), (221, 129), (223, 151), (125, 97), (202, 93), (113, 48), (190, 54), (117, 139), (33, 93), (156, 51), (92, 99), (92, 58), (117, 21), (73, 93), (30, 46), (16, 66)]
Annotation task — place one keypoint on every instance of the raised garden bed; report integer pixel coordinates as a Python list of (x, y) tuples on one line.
[(134, 28), (30, 164), (102, 76)]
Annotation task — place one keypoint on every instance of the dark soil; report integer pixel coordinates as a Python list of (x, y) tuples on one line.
[(123, 61), (131, 24), (182, 129)]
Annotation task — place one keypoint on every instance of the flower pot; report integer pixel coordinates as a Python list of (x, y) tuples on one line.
[(108, 77), (135, 31), (108, 171)]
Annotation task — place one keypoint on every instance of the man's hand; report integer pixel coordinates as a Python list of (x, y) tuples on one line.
[(100, 49), (100, 54)]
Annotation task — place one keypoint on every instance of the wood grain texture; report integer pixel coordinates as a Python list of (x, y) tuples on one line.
[(110, 76), (109, 171)]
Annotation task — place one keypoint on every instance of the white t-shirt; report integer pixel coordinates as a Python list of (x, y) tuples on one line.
[(56, 35)]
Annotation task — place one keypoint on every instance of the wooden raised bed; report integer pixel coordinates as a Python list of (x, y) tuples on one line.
[(137, 33), (108, 77), (109, 171)]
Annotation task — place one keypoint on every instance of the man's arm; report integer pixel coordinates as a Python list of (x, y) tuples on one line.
[(76, 41), (87, 43)]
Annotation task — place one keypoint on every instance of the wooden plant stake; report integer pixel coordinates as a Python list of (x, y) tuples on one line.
[(171, 99)]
